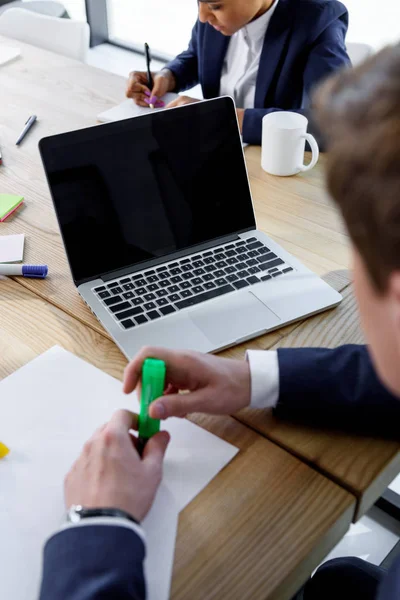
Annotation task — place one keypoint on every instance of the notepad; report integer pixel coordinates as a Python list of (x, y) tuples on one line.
[(7, 54), (128, 109), (48, 409), (12, 248), (9, 204)]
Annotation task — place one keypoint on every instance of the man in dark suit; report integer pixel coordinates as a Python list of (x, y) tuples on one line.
[(359, 112), (267, 54)]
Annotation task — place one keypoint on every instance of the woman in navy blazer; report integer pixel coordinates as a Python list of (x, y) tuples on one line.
[(303, 43)]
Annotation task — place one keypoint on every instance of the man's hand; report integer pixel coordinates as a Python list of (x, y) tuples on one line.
[(137, 89), (181, 101), (110, 473), (216, 385)]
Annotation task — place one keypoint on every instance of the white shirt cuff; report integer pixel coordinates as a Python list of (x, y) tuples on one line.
[(113, 521), (264, 376)]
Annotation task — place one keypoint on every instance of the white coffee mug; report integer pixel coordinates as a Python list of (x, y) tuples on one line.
[(284, 136)]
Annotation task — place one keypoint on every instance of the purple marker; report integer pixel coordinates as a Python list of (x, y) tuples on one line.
[(37, 271)]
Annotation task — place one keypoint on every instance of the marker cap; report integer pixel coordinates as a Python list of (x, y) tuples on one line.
[(38, 271)]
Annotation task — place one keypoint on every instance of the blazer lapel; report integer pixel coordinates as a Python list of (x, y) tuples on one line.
[(274, 43), (215, 48)]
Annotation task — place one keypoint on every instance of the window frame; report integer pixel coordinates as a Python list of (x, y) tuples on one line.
[(97, 17)]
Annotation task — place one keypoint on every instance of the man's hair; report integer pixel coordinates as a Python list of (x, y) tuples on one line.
[(358, 111)]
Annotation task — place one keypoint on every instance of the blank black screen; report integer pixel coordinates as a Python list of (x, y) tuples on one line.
[(145, 187)]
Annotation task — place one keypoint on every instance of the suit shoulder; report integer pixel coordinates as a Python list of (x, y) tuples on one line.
[(317, 15)]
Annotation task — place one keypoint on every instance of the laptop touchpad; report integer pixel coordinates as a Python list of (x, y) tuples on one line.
[(233, 318)]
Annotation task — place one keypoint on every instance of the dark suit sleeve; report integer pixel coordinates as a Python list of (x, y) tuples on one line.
[(336, 389), (328, 54), (185, 66), (390, 587), (94, 562)]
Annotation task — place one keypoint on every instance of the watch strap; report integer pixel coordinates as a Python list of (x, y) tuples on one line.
[(76, 513)]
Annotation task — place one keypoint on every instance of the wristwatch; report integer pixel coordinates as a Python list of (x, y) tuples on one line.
[(77, 512)]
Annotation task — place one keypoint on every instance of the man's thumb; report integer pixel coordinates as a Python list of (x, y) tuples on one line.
[(177, 405)]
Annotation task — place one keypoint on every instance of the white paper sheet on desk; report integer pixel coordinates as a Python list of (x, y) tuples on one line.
[(12, 248), (47, 411), (7, 54), (128, 109)]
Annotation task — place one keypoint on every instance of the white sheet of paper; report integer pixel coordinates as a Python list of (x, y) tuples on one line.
[(48, 409), (161, 525), (128, 109), (12, 248), (7, 54)]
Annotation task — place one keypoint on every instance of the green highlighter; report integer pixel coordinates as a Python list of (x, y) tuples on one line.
[(153, 386)]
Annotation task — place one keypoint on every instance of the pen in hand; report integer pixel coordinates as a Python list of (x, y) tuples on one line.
[(149, 76)]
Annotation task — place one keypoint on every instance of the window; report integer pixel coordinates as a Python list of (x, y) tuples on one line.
[(374, 23), (165, 25)]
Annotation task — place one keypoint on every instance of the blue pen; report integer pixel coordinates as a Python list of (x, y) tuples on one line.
[(30, 122), (36, 271)]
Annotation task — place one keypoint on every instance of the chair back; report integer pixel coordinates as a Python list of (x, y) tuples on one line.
[(63, 36)]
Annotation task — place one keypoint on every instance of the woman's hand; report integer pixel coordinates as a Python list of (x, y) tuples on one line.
[(137, 88), (181, 101), (240, 118)]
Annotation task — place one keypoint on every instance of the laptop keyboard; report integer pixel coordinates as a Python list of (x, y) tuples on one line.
[(161, 291)]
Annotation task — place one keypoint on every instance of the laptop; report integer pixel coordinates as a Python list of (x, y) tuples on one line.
[(158, 224)]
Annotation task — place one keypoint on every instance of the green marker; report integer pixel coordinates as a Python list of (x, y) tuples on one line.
[(153, 385)]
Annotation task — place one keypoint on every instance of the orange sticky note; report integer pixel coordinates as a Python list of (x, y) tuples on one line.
[(3, 450)]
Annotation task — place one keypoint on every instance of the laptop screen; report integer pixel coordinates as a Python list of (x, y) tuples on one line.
[(147, 187)]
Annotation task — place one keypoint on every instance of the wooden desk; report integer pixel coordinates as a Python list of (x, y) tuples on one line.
[(258, 529), (295, 211), (362, 465), (68, 95)]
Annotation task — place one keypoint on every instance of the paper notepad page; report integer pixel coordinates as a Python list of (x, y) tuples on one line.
[(8, 202), (7, 54), (128, 109), (48, 409), (12, 248)]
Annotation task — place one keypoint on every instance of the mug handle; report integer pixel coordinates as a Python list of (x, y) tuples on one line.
[(315, 152)]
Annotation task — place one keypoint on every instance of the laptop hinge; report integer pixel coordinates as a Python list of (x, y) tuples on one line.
[(176, 255)]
